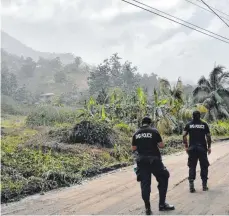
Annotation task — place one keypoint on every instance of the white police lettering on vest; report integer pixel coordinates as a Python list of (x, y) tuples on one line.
[(143, 135), (197, 126)]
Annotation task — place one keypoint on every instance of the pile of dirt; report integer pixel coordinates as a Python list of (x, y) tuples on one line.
[(87, 132)]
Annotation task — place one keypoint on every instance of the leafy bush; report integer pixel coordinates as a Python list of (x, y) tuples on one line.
[(124, 128), (220, 128), (87, 132)]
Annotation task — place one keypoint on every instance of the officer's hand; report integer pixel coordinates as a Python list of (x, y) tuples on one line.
[(186, 149), (209, 151)]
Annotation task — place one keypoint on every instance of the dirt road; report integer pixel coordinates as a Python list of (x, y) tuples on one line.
[(119, 193)]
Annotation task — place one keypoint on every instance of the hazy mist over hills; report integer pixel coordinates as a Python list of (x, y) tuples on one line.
[(95, 29), (13, 46)]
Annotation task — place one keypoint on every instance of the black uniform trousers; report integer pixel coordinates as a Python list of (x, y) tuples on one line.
[(198, 153), (155, 167)]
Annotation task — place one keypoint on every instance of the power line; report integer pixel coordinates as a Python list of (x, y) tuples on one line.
[(214, 12), (180, 19), (206, 9), (174, 21), (215, 9)]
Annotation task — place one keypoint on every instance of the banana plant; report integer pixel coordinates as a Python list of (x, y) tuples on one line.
[(89, 109), (142, 104)]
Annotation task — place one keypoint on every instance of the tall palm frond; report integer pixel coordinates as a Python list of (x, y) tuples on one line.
[(205, 82), (223, 77), (165, 86), (165, 83), (201, 88), (177, 91), (214, 76)]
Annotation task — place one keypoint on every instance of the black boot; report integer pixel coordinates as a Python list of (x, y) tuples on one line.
[(148, 208), (166, 207), (191, 186), (205, 187)]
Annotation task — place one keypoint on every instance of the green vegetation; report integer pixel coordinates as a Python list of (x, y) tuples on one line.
[(31, 168), (56, 144), (47, 115), (220, 128)]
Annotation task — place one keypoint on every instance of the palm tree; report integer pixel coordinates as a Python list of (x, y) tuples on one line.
[(167, 101), (173, 93), (213, 93)]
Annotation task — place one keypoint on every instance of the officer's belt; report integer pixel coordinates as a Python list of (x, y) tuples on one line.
[(197, 147), (150, 159)]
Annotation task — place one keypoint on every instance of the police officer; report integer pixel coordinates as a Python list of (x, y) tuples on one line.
[(146, 143), (197, 149)]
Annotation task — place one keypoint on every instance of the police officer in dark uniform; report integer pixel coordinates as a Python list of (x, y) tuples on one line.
[(197, 149), (145, 144)]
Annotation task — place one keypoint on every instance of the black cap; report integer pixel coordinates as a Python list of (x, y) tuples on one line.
[(196, 115), (146, 120)]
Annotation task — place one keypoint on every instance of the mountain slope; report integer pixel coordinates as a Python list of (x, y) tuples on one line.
[(13, 46)]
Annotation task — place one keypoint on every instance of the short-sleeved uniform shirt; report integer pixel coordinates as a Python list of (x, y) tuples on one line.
[(197, 131), (146, 139)]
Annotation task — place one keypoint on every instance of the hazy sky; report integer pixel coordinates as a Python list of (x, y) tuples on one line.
[(94, 29)]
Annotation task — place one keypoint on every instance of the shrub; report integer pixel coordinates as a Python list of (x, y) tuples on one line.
[(220, 128), (87, 132), (124, 128)]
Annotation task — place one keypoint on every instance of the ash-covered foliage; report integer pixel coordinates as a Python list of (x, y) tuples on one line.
[(87, 132)]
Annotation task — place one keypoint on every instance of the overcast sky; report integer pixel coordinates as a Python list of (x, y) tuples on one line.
[(94, 29)]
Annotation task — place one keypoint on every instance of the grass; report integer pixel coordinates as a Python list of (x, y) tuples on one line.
[(10, 121)]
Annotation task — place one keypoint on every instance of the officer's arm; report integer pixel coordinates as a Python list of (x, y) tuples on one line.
[(134, 149), (160, 143), (209, 140), (185, 138), (134, 146), (208, 136)]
